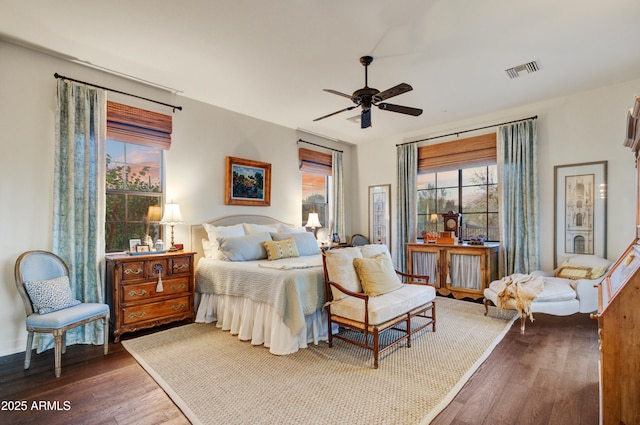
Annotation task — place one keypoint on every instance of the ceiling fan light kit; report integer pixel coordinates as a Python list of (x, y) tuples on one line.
[(367, 97)]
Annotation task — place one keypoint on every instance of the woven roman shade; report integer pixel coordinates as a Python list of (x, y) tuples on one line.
[(134, 125), (464, 153), (315, 162)]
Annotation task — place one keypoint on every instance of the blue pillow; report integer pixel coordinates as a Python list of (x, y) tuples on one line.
[(50, 295), (305, 241), (244, 248)]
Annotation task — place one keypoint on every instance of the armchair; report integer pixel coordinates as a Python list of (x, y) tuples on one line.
[(365, 294), (42, 279)]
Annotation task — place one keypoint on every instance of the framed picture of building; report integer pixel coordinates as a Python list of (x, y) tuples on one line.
[(580, 220), (380, 214)]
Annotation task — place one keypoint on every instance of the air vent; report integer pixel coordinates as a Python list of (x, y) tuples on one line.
[(525, 67)]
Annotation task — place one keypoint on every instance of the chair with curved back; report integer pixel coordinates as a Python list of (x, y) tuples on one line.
[(42, 281), (359, 240)]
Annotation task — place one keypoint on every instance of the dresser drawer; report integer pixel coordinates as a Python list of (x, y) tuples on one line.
[(181, 265), (147, 290), (151, 311), (132, 270)]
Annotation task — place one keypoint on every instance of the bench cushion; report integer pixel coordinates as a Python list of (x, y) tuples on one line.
[(385, 307)]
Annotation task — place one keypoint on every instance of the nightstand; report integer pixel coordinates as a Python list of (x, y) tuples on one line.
[(144, 291)]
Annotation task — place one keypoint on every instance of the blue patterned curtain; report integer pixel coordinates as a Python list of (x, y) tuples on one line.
[(407, 156), (338, 195), (79, 199), (518, 187)]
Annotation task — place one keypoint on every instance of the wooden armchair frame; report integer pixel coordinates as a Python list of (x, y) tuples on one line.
[(372, 332)]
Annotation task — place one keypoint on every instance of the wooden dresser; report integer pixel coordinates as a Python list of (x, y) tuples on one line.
[(148, 290), (461, 270)]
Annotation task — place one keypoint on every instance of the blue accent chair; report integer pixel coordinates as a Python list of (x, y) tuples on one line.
[(42, 266)]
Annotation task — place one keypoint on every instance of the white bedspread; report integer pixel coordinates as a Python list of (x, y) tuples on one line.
[(291, 289)]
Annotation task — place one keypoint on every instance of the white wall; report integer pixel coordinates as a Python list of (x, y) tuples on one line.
[(586, 127), (203, 136)]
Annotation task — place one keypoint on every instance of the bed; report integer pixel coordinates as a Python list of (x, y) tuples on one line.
[(275, 303)]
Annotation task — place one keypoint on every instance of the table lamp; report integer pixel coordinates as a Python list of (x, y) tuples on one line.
[(172, 216), (313, 222)]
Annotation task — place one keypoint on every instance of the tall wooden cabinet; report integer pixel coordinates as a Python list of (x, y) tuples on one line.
[(461, 270), (619, 317), (619, 331)]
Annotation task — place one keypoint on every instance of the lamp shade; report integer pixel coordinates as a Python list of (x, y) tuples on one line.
[(172, 214), (313, 221), (154, 213)]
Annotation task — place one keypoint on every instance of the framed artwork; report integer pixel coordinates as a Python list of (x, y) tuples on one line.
[(380, 214), (247, 182), (580, 220), (133, 244)]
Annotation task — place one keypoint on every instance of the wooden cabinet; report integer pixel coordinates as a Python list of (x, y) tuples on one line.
[(619, 330), (461, 270), (148, 290)]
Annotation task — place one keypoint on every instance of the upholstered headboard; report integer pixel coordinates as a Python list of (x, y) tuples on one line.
[(197, 232)]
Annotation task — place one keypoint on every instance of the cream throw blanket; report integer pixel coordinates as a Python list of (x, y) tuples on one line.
[(516, 292)]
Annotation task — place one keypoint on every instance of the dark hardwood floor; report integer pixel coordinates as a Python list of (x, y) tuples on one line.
[(549, 375)]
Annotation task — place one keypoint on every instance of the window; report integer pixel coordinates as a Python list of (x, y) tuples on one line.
[(470, 191), (459, 176), (133, 184), (315, 195), (136, 140), (316, 173)]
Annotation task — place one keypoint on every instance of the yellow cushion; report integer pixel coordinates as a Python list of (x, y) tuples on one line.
[(377, 275), (575, 271), (285, 248)]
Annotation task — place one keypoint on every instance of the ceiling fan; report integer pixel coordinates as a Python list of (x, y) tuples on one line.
[(368, 96)]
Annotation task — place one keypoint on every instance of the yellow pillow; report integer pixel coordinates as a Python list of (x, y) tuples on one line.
[(573, 271), (377, 275), (285, 248)]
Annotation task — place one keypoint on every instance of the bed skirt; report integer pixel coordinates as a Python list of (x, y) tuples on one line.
[(259, 323)]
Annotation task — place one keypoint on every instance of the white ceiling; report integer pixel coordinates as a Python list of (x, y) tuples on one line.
[(271, 59)]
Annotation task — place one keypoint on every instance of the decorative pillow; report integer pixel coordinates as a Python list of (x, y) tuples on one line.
[(306, 242), (573, 271), (215, 232), (243, 248), (285, 248), (252, 229), (340, 270), (283, 228), (51, 294), (371, 250), (377, 275)]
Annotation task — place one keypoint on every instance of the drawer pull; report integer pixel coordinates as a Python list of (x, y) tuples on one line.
[(131, 271), (133, 293), (181, 266), (137, 316), (181, 286), (178, 307)]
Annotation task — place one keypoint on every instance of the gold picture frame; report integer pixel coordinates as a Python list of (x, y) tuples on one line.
[(247, 182)]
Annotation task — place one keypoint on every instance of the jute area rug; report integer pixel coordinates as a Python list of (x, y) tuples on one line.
[(216, 379)]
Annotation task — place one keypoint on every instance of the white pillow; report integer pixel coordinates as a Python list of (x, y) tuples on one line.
[(592, 261), (216, 232), (206, 248), (306, 242), (340, 270), (371, 250), (243, 248), (283, 228), (252, 229)]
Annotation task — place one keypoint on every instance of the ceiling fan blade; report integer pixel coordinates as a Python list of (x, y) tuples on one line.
[(365, 118), (401, 109), (338, 93), (335, 113), (393, 91)]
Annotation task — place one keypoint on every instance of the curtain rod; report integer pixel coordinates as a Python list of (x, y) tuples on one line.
[(535, 117), (315, 144), (179, 108)]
